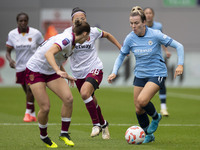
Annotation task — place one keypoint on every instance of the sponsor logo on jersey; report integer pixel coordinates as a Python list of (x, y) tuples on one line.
[(85, 46), (142, 50), (65, 42), (23, 46)]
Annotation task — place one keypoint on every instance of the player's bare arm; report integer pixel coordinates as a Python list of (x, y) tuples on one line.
[(70, 79), (112, 39), (51, 60), (9, 58)]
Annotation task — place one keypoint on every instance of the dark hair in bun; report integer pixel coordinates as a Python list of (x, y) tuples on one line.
[(80, 27)]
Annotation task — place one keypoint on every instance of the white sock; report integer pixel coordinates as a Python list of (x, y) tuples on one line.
[(163, 106), (28, 111), (98, 124), (33, 114)]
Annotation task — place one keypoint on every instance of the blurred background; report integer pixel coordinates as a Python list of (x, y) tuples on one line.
[(180, 20)]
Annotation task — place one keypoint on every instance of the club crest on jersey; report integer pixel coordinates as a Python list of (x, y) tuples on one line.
[(150, 42), (29, 39), (31, 77), (65, 42)]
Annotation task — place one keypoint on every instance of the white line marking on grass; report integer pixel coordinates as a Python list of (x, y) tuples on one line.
[(178, 95), (85, 124), (185, 96)]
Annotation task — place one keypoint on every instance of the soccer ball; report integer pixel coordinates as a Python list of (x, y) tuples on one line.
[(135, 135)]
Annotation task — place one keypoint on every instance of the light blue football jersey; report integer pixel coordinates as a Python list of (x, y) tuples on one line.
[(157, 26), (147, 51)]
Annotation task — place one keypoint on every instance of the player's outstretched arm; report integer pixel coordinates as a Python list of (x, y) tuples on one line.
[(180, 51), (112, 39)]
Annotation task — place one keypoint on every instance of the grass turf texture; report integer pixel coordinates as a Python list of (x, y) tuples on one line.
[(181, 130)]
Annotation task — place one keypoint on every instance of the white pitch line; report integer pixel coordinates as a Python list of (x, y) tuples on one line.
[(85, 124), (172, 94), (185, 96)]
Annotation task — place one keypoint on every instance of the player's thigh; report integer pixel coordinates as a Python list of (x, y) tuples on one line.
[(39, 91), (87, 89), (60, 87), (147, 93), (136, 92)]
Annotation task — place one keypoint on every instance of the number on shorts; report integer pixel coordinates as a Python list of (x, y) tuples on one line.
[(95, 71)]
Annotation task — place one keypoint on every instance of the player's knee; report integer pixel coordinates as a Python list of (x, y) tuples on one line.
[(85, 95), (45, 108), (142, 102), (68, 100), (138, 110)]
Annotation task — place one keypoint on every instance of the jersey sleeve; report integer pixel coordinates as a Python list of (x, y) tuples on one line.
[(118, 63), (163, 38), (180, 51), (98, 32), (62, 42), (125, 49), (9, 41)]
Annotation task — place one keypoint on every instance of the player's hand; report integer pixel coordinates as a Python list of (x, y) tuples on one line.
[(179, 71), (12, 64), (71, 80), (111, 77), (62, 74), (65, 75)]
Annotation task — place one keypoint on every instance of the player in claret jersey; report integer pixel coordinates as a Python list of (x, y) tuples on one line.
[(24, 40), (44, 69), (87, 68)]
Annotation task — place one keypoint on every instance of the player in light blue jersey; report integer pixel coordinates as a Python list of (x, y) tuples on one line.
[(150, 69), (149, 13)]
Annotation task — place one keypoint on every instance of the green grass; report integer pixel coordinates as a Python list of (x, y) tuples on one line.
[(181, 130)]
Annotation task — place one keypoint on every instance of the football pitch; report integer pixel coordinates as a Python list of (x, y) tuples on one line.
[(181, 130)]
